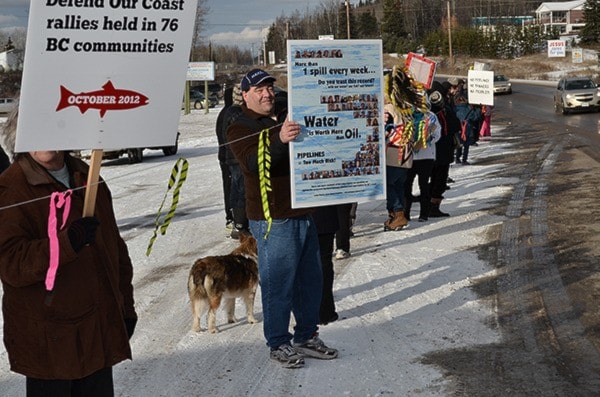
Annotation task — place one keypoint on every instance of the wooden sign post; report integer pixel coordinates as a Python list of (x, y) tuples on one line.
[(91, 189)]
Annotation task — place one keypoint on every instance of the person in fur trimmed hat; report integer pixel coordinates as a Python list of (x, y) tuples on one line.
[(67, 304), (7, 139)]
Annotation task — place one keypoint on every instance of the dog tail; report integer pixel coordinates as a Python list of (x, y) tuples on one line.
[(196, 281)]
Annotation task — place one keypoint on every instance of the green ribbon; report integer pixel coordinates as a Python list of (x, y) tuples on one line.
[(264, 175), (178, 176)]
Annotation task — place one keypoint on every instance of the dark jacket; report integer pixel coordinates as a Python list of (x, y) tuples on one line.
[(79, 328), (326, 219), (243, 135), (445, 146), (221, 127), (231, 115)]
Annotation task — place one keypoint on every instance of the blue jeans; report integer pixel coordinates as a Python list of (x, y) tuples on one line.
[(291, 279), (394, 179), (462, 152)]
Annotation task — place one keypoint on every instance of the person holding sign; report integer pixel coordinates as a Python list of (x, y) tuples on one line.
[(68, 302), (288, 244)]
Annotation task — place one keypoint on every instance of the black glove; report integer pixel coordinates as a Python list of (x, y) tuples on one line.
[(130, 325), (82, 232)]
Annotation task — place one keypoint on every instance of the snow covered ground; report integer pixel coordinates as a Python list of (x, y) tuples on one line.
[(400, 296)]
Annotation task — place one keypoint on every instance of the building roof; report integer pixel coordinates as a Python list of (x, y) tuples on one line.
[(560, 6)]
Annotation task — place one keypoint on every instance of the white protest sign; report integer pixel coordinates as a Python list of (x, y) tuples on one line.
[(480, 87), (104, 74), (557, 48), (336, 94)]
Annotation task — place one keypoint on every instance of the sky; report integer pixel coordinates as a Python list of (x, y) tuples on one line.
[(401, 296), (235, 22)]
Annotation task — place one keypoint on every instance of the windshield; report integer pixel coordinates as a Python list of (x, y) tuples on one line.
[(580, 85)]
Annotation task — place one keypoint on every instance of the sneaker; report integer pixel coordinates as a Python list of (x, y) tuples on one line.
[(315, 347), (465, 162), (341, 254), (228, 228), (288, 356)]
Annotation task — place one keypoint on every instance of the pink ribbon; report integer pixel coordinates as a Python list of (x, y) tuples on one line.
[(57, 200)]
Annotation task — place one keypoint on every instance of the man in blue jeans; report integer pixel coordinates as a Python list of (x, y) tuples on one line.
[(288, 244)]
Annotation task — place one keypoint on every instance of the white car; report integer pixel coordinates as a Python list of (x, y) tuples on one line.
[(502, 84), (576, 93)]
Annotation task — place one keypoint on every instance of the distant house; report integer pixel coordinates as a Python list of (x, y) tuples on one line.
[(9, 60), (567, 16)]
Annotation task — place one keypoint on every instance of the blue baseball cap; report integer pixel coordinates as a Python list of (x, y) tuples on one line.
[(254, 78)]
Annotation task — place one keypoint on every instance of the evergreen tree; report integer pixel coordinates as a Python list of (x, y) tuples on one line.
[(591, 31), (392, 26), (368, 27)]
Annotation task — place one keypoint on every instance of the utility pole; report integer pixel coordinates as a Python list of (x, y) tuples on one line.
[(449, 35), (347, 2)]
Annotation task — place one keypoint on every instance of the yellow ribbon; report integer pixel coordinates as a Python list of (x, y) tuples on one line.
[(264, 175), (178, 176)]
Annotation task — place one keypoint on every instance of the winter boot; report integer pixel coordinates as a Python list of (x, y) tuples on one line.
[(434, 209), (424, 210), (397, 223), (389, 219)]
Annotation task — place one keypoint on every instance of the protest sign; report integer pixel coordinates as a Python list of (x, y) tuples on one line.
[(421, 68), (336, 94), (480, 86), (104, 74)]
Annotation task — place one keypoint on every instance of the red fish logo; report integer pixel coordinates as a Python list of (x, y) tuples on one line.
[(108, 98)]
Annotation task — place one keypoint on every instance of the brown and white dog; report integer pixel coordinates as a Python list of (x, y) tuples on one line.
[(214, 278)]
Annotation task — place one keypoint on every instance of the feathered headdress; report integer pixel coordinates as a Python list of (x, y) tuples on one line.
[(409, 100)]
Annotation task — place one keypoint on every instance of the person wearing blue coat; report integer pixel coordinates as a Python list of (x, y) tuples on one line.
[(469, 117)]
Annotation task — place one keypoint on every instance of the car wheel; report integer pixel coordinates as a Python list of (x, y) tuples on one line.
[(198, 105), (563, 108), (135, 155)]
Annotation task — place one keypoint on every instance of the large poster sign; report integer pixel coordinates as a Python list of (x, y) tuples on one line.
[(104, 74), (557, 48), (336, 94)]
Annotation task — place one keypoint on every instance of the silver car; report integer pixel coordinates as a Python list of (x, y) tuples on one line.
[(576, 93), (502, 84)]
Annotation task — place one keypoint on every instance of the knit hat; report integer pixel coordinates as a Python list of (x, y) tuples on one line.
[(254, 78), (436, 99)]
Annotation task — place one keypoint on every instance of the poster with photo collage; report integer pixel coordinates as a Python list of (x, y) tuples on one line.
[(335, 91)]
